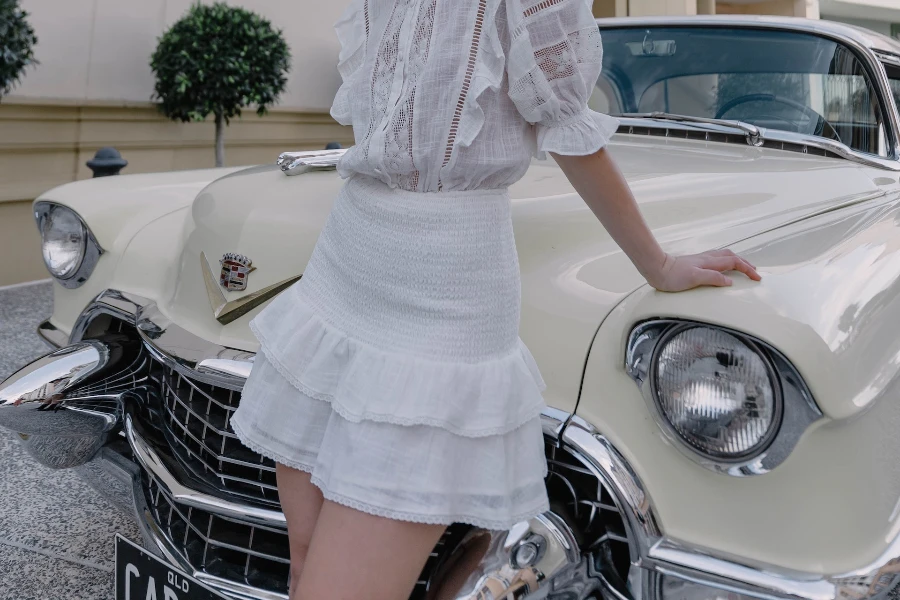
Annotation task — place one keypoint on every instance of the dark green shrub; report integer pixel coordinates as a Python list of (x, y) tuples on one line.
[(17, 41), (217, 60)]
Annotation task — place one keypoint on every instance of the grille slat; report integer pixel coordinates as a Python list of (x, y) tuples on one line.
[(197, 417)]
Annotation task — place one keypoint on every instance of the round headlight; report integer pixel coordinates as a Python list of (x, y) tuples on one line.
[(64, 241), (717, 392)]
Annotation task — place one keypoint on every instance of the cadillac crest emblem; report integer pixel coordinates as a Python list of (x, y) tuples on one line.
[(235, 272)]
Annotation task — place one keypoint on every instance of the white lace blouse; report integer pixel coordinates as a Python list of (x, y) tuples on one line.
[(459, 94)]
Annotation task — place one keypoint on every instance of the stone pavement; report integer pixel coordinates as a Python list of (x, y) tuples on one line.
[(56, 532)]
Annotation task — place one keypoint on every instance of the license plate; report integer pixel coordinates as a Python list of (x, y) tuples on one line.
[(142, 576)]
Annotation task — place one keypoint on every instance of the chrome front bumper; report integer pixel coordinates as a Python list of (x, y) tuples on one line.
[(662, 569)]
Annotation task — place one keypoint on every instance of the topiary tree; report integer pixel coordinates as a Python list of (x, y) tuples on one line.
[(17, 41), (217, 60)]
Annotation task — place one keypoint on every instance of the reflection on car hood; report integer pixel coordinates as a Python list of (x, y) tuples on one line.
[(695, 196)]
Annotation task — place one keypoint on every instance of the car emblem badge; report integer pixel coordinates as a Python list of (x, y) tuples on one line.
[(226, 310), (235, 272)]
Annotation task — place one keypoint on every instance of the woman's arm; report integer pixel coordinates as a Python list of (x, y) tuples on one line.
[(600, 183)]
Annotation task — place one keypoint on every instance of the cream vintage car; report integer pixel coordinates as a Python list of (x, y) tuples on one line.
[(714, 444)]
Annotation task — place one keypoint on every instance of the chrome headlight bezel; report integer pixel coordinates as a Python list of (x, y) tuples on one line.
[(797, 410), (91, 252)]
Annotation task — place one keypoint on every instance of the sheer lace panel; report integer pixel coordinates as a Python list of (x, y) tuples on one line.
[(556, 61), (383, 77), (398, 144), (467, 81), (559, 54)]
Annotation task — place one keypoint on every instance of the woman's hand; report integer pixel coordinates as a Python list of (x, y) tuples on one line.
[(603, 188), (679, 273)]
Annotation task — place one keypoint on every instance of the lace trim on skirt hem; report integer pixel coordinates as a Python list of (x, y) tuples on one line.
[(426, 519)]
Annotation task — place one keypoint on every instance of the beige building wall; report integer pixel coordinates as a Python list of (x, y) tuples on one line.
[(93, 88)]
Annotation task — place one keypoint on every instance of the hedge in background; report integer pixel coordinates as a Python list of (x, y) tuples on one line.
[(17, 41), (217, 60)]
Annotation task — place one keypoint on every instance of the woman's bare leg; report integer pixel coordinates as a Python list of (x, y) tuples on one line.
[(301, 502), (356, 555)]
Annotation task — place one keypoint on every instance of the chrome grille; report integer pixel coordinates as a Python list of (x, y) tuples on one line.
[(238, 551), (197, 420), (221, 546)]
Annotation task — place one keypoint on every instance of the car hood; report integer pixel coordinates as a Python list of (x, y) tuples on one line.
[(694, 195)]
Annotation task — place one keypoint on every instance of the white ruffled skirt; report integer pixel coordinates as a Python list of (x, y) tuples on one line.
[(393, 371)]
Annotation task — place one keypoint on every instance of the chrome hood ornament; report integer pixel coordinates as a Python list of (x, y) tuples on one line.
[(297, 163)]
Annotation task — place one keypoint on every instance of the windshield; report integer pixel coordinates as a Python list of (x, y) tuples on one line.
[(774, 79)]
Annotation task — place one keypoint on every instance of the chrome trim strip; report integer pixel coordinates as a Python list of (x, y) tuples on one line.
[(675, 560), (114, 303), (553, 421)]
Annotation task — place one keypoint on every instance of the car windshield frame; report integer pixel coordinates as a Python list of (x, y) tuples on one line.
[(873, 70)]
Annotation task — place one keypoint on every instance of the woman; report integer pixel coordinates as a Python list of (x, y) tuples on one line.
[(392, 389)]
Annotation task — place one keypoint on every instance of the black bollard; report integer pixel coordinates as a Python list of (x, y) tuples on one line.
[(107, 162)]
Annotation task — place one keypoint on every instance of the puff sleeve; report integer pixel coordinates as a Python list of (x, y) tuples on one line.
[(553, 62), (352, 34)]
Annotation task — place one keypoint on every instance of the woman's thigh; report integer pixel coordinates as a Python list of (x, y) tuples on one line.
[(301, 502), (356, 555)]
